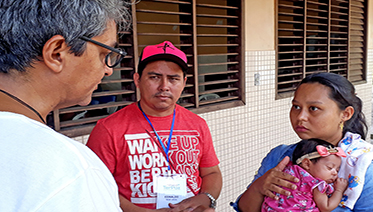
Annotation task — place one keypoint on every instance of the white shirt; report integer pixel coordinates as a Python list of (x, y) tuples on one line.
[(42, 170)]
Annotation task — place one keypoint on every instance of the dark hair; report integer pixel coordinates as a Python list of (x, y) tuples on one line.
[(343, 93), (26, 25), (307, 146)]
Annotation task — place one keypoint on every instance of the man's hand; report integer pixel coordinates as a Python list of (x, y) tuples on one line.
[(211, 183), (196, 203)]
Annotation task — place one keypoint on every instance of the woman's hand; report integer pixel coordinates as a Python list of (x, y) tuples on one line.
[(265, 185), (274, 179)]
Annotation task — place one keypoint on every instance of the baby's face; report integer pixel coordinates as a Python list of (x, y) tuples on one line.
[(326, 168)]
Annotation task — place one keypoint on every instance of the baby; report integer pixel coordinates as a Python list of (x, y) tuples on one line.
[(317, 165)]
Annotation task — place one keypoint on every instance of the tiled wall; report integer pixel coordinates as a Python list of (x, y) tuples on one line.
[(244, 135), (82, 139)]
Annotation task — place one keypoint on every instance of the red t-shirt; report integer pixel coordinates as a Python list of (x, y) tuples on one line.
[(122, 143)]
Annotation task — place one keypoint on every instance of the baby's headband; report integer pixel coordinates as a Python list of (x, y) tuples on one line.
[(323, 151)]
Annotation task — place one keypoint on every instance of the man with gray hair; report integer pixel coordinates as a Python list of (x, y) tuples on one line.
[(53, 54)]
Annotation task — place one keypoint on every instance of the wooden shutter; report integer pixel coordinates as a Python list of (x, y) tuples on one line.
[(290, 46), (219, 52), (358, 45), (210, 32), (338, 38), (319, 36)]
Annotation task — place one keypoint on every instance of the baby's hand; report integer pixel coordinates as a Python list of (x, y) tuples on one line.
[(340, 184)]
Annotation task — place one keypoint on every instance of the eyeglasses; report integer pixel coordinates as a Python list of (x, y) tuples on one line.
[(114, 57)]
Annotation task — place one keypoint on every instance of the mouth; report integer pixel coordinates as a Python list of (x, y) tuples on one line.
[(163, 96), (301, 129)]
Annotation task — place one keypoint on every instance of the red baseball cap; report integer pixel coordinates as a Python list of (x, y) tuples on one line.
[(163, 51)]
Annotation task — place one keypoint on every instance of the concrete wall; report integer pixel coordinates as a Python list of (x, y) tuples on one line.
[(244, 135)]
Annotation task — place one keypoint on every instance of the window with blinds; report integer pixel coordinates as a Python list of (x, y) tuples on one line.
[(210, 32), (320, 36)]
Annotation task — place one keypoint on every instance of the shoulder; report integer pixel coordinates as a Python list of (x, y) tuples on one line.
[(188, 115), (38, 142), (42, 153), (274, 157), (66, 153), (125, 113), (277, 154), (368, 183), (352, 139), (184, 111), (369, 175), (282, 151)]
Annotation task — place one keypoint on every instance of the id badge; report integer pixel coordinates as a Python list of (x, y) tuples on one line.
[(170, 188)]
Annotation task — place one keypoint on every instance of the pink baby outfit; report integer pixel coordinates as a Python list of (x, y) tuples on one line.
[(300, 200)]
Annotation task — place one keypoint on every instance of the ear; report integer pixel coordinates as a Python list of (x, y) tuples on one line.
[(347, 113), (54, 52), (306, 164), (185, 80), (136, 79)]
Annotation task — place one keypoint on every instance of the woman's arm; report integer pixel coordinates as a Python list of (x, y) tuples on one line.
[(272, 181)]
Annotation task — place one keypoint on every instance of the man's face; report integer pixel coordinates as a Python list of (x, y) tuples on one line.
[(160, 87), (87, 70)]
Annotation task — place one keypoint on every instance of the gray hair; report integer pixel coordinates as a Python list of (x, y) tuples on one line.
[(26, 25)]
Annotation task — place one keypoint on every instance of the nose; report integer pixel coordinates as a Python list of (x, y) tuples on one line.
[(335, 174), (164, 86), (108, 71), (303, 115)]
